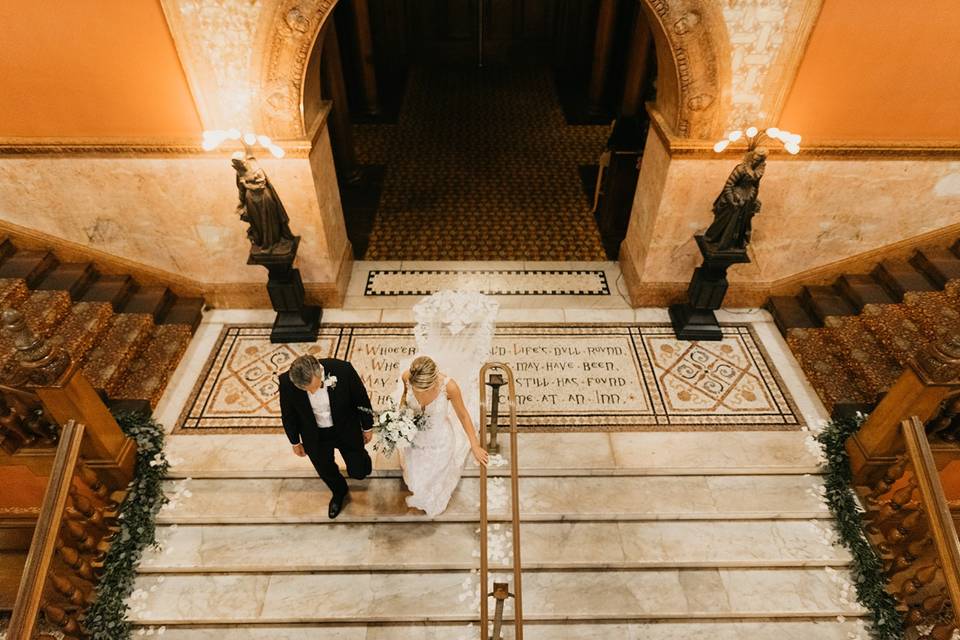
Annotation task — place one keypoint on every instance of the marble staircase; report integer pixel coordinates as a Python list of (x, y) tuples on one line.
[(854, 337), (624, 535), (128, 337)]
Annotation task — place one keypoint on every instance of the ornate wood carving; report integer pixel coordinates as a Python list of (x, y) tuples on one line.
[(24, 422), (910, 525), (939, 362), (40, 365), (37, 592)]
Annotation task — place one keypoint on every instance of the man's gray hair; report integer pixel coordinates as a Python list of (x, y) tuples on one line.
[(304, 369)]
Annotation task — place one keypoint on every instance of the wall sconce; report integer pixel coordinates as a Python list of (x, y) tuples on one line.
[(790, 141), (214, 138)]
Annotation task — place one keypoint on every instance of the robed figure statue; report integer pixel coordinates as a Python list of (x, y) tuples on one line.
[(734, 208), (260, 206)]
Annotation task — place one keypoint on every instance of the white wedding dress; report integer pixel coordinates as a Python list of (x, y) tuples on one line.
[(455, 328)]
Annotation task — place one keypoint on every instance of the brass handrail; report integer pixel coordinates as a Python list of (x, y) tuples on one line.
[(515, 500), (941, 526), (30, 593)]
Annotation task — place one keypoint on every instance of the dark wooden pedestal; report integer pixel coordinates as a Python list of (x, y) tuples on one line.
[(695, 319), (295, 321)]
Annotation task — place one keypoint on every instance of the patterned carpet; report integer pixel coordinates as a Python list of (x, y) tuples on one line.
[(623, 377), (481, 165)]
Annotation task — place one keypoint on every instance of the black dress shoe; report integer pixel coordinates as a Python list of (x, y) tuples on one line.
[(336, 505)]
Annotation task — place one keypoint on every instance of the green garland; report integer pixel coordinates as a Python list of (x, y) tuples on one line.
[(107, 617), (867, 569)]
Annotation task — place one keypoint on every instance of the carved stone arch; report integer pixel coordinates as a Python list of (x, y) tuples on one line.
[(693, 73), (691, 44), (294, 28)]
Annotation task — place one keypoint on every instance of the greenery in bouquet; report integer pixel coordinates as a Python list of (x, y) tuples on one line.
[(395, 426)]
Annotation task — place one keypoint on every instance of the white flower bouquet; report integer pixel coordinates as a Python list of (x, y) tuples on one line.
[(395, 426)]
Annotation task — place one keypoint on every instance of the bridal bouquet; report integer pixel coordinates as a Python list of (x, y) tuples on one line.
[(395, 426)]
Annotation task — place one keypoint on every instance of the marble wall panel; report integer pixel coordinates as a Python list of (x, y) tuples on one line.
[(175, 213), (816, 211)]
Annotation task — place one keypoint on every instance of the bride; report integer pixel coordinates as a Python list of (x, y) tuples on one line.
[(432, 466), (453, 332)]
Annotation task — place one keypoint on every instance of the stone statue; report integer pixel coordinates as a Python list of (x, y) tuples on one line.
[(260, 206), (734, 208)]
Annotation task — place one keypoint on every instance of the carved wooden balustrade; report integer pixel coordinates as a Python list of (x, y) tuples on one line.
[(944, 427), (897, 459), (908, 521), (42, 388), (928, 389), (54, 422), (24, 422), (76, 526)]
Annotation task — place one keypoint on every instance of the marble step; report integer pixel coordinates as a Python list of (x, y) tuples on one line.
[(30, 265), (701, 630), (938, 263), (901, 277), (789, 314), (861, 290), (72, 277), (152, 300), (825, 302), (450, 546), (660, 594), (114, 289), (300, 500), (545, 454)]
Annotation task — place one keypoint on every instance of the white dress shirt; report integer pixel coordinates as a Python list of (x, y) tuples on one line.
[(320, 403)]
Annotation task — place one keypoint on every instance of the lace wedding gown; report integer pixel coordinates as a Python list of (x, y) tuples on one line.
[(455, 328)]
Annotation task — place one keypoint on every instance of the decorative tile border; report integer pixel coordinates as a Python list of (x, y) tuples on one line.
[(500, 282), (587, 377)]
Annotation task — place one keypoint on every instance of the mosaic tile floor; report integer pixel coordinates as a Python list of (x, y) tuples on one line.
[(481, 165), (582, 377), (503, 282)]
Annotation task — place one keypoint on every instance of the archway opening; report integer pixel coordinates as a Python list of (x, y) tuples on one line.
[(481, 130)]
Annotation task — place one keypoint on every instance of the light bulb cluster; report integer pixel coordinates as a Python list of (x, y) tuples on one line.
[(213, 139), (790, 141)]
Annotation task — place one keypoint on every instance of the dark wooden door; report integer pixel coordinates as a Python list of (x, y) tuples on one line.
[(447, 31)]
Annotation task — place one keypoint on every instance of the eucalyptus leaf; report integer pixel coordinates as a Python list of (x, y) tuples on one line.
[(106, 619), (867, 569)]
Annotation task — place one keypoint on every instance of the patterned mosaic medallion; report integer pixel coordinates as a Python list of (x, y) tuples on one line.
[(625, 377)]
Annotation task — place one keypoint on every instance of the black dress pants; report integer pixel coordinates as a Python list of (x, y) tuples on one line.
[(358, 461)]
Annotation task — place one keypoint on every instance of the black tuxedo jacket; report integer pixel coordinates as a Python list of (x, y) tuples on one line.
[(346, 398)]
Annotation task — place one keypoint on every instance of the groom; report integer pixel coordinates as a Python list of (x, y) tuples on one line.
[(320, 406)]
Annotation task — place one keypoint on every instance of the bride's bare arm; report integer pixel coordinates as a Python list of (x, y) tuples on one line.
[(456, 397)]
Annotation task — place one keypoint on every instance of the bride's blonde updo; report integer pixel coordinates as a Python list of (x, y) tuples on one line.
[(423, 373)]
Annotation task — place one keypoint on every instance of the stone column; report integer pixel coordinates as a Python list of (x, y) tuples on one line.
[(638, 65), (341, 135), (602, 47), (368, 73)]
